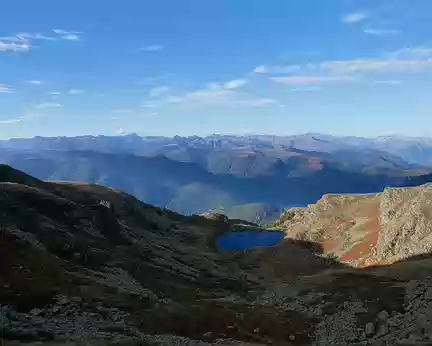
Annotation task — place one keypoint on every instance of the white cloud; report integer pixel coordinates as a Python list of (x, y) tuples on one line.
[(388, 82), (152, 48), (261, 69), (14, 39), (257, 102), (214, 86), (407, 60), (5, 89), (355, 17), (54, 93), (14, 47), (308, 80), (225, 94), (381, 32), (374, 66), (37, 36), (219, 98), (159, 91), (276, 69), (75, 91), (11, 121), (235, 84), (21, 42), (204, 95), (68, 35), (46, 105), (35, 82)]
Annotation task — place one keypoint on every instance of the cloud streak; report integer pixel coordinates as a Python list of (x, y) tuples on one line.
[(4, 89), (403, 61), (355, 17), (308, 80), (23, 41), (14, 47), (217, 95), (11, 121), (37, 36), (68, 35), (76, 91), (46, 105), (381, 32), (235, 84)]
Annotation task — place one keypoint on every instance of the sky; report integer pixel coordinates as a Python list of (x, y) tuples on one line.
[(198, 67)]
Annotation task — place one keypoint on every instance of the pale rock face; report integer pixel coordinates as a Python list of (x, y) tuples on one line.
[(406, 220), (363, 230)]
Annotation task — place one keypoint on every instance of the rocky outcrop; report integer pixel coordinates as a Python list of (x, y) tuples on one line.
[(363, 230), (406, 219), (345, 226)]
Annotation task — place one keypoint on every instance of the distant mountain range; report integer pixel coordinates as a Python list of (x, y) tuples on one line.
[(247, 177)]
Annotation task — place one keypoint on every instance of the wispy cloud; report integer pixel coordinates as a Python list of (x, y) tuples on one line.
[(276, 69), (152, 48), (218, 97), (23, 42), (235, 83), (54, 93), (259, 102), (403, 61), (225, 94), (68, 34), (14, 47), (11, 121), (374, 66), (388, 82), (46, 105), (4, 89), (76, 91), (71, 37), (35, 36), (354, 17), (309, 80), (381, 32), (35, 82), (14, 39)]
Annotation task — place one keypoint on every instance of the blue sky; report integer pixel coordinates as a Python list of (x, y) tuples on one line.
[(167, 67)]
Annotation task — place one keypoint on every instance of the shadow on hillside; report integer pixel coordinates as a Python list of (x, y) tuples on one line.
[(292, 259), (286, 261)]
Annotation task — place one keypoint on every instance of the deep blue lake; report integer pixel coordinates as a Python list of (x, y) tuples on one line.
[(240, 241)]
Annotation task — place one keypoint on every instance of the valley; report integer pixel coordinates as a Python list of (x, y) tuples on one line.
[(254, 178), (352, 270)]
